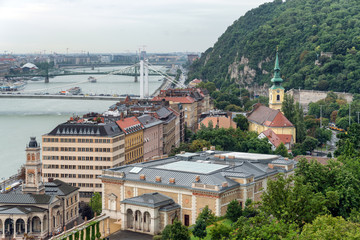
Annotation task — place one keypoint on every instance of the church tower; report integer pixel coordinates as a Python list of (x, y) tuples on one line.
[(33, 181), (276, 92)]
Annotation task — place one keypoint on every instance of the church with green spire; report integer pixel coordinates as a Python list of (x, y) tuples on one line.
[(276, 91)]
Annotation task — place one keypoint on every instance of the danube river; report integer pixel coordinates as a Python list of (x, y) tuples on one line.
[(22, 118)]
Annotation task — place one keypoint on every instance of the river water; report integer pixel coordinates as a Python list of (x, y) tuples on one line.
[(22, 118)]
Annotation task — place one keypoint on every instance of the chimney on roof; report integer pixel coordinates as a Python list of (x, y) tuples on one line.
[(158, 179), (224, 184), (122, 116), (182, 152), (142, 177), (212, 148), (204, 149), (197, 178), (172, 180)]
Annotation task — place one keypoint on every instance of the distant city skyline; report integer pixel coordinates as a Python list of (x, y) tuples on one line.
[(113, 26)]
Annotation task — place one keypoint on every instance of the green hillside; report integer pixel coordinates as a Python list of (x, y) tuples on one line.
[(305, 31)]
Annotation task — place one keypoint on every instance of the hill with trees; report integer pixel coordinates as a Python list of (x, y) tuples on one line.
[(318, 44)]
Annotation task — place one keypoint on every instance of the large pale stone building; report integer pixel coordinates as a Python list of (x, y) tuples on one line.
[(38, 209), (145, 197), (77, 151)]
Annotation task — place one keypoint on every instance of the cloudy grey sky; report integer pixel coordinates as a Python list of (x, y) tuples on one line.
[(113, 26)]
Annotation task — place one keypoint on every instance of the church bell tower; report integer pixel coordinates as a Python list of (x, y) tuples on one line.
[(33, 180), (276, 92)]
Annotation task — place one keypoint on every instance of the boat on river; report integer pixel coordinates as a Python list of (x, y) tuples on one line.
[(12, 86), (71, 91), (92, 79)]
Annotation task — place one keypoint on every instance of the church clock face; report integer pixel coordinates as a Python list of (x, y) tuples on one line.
[(278, 91)]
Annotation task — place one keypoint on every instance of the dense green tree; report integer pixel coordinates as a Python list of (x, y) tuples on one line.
[(95, 203), (330, 228), (292, 201), (263, 227), (241, 122), (282, 150), (338, 181), (199, 229), (302, 29), (234, 210), (175, 231), (220, 231), (207, 216), (87, 212), (288, 108), (299, 123), (309, 144), (323, 135)]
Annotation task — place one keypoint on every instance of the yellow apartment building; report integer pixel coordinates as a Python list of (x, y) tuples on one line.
[(134, 139)]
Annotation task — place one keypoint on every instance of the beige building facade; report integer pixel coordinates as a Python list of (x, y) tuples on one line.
[(77, 153), (183, 185)]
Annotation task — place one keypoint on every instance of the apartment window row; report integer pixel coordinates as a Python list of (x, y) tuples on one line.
[(85, 185), (51, 175), (97, 185), (102, 158), (118, 147), (102, 150), (51, 157), (68, 166), (103, 141), (83, 158), (119, 156), (101, 167), (119, 138), (67, 140), (50, 139), (67, 149), (68, 175), (84, 167), (49, 166), (85, 176), (85, 149), (50, 149)]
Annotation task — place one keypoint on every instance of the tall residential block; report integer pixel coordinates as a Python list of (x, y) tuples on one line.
[(77, 151)]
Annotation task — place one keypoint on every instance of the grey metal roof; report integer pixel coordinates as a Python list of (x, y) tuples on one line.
[(194, 167), (86, 129), (149, 121), (163, 112), (16, 198), (150, 200), (20, 209), (59, 188), (183, 173)]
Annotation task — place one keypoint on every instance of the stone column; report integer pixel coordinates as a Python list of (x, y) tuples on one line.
[(25, 226), (15, 227), (3, 233)]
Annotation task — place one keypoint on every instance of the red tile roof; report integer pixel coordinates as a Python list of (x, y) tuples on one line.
[(129, 125), (273, 138), (186, 99), (268, 117), (285, 138)]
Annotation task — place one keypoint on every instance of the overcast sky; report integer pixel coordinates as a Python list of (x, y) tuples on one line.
[(114, 26)]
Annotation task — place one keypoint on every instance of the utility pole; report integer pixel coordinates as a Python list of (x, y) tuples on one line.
[(349, 114), (321, 115)]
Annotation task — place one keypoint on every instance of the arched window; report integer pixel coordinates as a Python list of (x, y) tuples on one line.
[(277, 97)]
